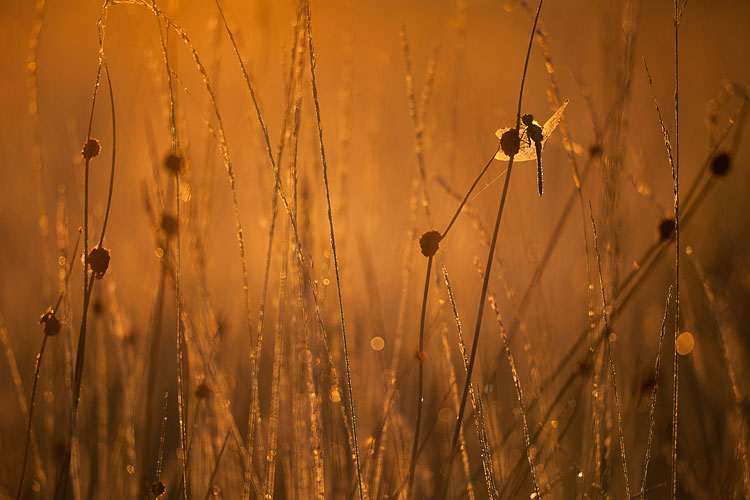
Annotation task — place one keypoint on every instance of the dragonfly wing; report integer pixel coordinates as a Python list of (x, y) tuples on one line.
[(554, 120), (499, 133), (526, 152)]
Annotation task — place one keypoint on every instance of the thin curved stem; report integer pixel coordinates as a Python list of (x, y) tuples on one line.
[(488, 269), (420, 388), (468, 193), (613, 373), (652, 411), (62, 480), (477, 330), (181, 397), (114, 153), (334, 252), (676, 179), (37, 369)]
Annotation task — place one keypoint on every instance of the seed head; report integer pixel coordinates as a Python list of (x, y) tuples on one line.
[(50, 322), (60, 449), (174, 162), (158, 488), (584, 367), (97, 307), (666, 229), (169, 224), (429, 243), (91, 149), (203, 391), (510, 142), (720, 164), (99, 261), (647, 384)]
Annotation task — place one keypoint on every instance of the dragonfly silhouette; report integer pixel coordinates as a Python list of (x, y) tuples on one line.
[(533, 138)]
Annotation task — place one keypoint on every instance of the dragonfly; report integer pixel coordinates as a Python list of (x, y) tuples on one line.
[(533, 138)]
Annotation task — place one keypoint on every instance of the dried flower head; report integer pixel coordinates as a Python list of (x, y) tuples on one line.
[(130, 338), (429, 243), (510, 142), (666, 229), (647, 384), (50, 322), (174, 162), (99, 261), (169, 224), (60, 449), (595, 151), (158, 488), (584, 368), (97, 307), (720, 164), (203, 391), (91, 149)]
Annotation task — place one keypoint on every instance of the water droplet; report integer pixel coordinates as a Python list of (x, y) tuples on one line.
[(377, 343), (335, 396), (685, 343), (305, 356)]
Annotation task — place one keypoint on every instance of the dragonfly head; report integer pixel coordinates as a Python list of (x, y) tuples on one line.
[(527, 120)]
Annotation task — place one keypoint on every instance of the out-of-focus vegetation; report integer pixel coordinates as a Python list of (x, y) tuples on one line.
[(225, 159)]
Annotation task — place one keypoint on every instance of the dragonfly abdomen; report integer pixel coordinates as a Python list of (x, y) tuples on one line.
[(539, 167)]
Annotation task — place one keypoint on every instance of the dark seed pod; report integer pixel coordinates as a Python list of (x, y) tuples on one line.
[(666, 229), (203, 391), (169, 224), (429, 243), (174, 163), (584, 367), (51, 323), (91, 149), (720, 164), (510, 142), (130, 338), (97, 307), (60, 450), (158, 488), (647, 384), (99, 261), (595, 151)]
